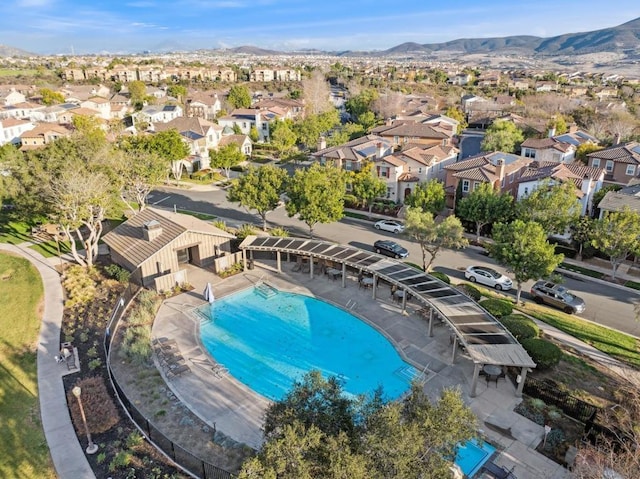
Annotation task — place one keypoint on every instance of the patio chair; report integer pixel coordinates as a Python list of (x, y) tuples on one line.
[(177, 371), (498, 472)]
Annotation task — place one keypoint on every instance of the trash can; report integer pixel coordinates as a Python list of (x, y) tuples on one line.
[(250, 264)]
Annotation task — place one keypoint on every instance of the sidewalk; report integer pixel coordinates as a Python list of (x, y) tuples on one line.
[(67, 455)]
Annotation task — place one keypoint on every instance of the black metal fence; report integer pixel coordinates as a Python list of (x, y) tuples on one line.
[(183, 458), (550, 393)]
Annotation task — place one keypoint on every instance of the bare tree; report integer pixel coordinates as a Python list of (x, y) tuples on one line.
[(621, 124), (316, 93), (79, 199), (388, 104), (618, 453)]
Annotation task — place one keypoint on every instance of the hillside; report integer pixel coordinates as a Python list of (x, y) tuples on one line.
[(624, 38), (7, 51)]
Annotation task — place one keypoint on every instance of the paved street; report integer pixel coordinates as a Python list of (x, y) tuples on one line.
[(606, 305)]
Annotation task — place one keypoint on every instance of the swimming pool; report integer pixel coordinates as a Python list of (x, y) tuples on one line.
[(269, 341), (471, 455)]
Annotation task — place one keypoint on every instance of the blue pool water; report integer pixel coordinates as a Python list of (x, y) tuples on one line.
[(268, 343), (471, 455)]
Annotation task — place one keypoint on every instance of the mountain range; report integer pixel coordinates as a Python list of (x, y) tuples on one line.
[(624, 38)]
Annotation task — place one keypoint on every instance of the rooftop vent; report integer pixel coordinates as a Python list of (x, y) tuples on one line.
[(151, 230)]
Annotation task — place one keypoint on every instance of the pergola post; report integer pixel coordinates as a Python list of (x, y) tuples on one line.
[(373, 286), (523, 378), (344, 275), (474, 381), (404, 301), (455, 349), (278, 261), (244, 260), (310, 267), (431, 322)]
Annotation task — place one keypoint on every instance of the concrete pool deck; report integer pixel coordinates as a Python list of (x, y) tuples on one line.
[(234, 409)]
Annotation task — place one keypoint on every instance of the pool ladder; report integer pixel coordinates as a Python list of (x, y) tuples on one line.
[(351, 305), (265, 290)]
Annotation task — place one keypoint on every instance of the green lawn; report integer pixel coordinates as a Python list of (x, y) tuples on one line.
[(23, 449), (8, 72)]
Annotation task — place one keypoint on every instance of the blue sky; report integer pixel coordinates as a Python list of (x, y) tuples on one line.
[(93, 26)]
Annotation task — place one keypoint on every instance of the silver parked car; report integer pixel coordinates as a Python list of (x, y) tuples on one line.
[(546, 292), (389, 225), (488, 277)]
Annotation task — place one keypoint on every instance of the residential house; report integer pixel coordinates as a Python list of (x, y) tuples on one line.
[(269, 74), (284, 107), (502, 170), (157, 247), (245, 118), (628, 197), (11, 97), (99, 104), (12, 128), (243, 142), (204, 105), (42, 134), (460, 79), (353, 154), (124, 73), (23, 111), (66, 117), (546, 86), (518, 84), (489, 79), (151, 73), (620, 162), (200, 135), (404, 170), (587, 180), (158, 113), (51, 114), (548, 149), (401, 133), (156, 92), (80, 93), (472, 103)]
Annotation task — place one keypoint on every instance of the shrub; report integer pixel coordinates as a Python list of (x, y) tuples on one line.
[(98, 406), (497, 307), (244, 231), (554, 440), (350, 201), (80, 286), (134, 440), (441, 276), (118, 273), (231, 270), (95, 363), (120, 460), (520, 326), (471, 291), (279, 231), (545, 354), (221, 225)]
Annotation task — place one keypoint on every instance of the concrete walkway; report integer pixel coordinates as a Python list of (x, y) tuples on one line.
[(68, 457)]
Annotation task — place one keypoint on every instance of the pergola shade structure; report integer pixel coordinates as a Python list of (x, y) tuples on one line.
[(486, 340)]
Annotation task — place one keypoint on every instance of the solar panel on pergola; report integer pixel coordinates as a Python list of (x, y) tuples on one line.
[(472, 324)]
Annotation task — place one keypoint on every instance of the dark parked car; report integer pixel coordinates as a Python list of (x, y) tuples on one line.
[(546, 292), (390, 248)]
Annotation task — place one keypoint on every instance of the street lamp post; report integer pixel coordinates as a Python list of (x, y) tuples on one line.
[(91, 448)]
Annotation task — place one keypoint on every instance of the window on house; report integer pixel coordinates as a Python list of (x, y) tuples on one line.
[(384, 172), (609, 166), (265, 126), (476, 184), (595, 162), (631, 170), (389, 192), (465, 186), (409, 169), (420, 170), (526, 190), (395, 140), (348, 165), (529, 153)]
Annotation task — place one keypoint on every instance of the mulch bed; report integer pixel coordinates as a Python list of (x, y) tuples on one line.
[(121, 453)]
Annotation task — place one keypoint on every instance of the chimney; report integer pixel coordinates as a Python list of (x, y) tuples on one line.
[(500, 169), (616, 139), (151, 230), (379, 150), (322, 143), (552, 132)]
